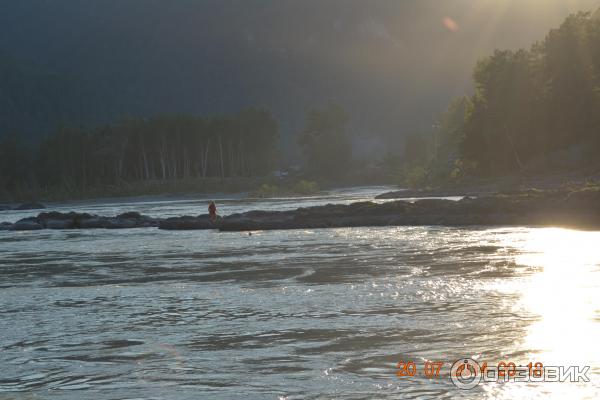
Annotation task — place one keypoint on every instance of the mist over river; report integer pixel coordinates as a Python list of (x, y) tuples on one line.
[(298, 314)]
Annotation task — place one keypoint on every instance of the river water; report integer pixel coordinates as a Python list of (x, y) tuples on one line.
[(299, 314)]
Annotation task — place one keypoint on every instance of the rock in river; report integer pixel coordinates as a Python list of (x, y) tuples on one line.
[(187, 222), (27, 224), (579, 209), (73, 220)]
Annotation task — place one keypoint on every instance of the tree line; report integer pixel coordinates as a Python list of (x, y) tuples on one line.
[(167, 147), (531, 110), (325, 142)]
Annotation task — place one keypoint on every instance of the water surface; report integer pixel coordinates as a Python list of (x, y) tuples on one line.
[(323, 313)]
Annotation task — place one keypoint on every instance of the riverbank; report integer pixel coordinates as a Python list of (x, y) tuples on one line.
[(562, 208), (510, 184), (134, 189), (193, 188)]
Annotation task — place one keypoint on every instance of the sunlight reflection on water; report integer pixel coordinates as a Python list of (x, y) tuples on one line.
[(321, 313), (564, 295)]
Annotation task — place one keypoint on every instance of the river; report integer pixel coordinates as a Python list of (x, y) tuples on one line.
[(298, 314)]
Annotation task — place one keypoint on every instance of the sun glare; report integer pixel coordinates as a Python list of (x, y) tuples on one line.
[(564, 296), (450, 24)]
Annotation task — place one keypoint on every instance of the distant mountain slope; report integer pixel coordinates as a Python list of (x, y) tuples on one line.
[(393, 65)]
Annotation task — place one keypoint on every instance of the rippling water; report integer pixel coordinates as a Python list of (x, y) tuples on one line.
[(324, 313)]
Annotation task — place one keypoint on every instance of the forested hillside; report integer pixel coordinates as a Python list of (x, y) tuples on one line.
[(531, 103), (534, 110), (111, 92), (393, 64)]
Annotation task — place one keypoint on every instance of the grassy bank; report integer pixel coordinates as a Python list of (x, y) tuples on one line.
[(289, 188), (259, 187), (131, 189), (255, 187)]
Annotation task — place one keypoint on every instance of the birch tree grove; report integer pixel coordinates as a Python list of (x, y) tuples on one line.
[(168, 147)]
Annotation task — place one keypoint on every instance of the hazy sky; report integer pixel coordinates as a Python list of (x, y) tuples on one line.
[(394, 64)]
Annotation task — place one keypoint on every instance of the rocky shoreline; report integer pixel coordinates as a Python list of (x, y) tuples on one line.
[(577, 209)]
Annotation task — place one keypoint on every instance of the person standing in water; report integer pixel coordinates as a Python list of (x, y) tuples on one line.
[(212, 211)]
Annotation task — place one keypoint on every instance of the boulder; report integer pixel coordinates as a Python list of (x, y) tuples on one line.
[(189, 222), (120, 223), (59, 224), (134, 219), (27, 224), (92, 222), (56, 220), (131, 215)]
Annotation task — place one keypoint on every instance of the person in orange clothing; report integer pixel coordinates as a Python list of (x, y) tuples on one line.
[(212, 211)]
